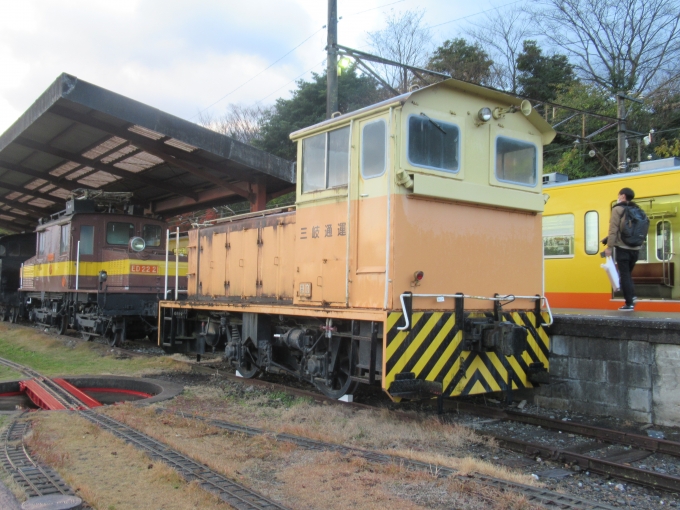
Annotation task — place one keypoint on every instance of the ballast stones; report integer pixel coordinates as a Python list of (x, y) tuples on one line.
[(53, 502)]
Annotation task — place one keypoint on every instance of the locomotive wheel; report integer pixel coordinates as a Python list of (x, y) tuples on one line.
[(13, 314), (63, 325), (342, 383), (247, 369), (116, 336)]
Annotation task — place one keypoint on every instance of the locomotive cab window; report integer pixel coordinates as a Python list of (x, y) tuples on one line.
[(558, 236), (325, 160), (63, 240), (373, 149), (152, 235), (516, 161), (119, 233), (86, 240), (433, 143), (42, 238)]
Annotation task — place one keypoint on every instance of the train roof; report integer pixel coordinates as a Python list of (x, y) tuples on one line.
[(501, 98), (612, 177), (78, 135)]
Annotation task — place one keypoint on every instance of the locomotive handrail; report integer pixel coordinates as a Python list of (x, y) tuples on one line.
[(509, 298)]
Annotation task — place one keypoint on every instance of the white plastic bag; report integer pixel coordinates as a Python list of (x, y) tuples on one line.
[(610, 268)]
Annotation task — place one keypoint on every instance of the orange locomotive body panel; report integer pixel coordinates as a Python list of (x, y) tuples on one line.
[(412, 258)]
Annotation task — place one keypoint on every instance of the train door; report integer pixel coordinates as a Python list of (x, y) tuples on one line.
[(368, 279), (85, 254), (656, 274)]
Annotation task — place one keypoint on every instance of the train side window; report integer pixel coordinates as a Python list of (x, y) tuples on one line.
[(592, 232), (664, 240), (373, 149), (325, 160), (42, 237), (63, 242), (152, 235), (86, 239), (119, 233), (433, 143), (558, 236), (516, 161)]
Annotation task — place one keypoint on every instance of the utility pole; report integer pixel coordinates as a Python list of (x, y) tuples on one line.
[(332, 59), (621, 114)]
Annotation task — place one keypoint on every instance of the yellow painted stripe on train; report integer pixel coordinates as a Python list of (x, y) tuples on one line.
[(477, 389), (498, 365), (415, 344), (394, 344), (520, 373), (445, 357), (454, 370), (112, 267), (531, 341), (541, 333), (478, 365), (392, 320), (434, 346)]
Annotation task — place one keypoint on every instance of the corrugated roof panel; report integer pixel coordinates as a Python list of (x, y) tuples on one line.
[(35, 184), (181, 145), (60, 193), (13, 196), (17, 211), (146, 132), (64, 169), (119, 154), (8, 218), (103, 148), (41, 202), (25, 198), (98, 179), (47, 188), (79, 173), (139, 162)]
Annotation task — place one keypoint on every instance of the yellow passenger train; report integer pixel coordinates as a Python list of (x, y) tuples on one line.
[(412, 258), (576, 218)]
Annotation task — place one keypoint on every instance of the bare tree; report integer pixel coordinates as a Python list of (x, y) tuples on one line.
[(502, 34), (620, 45), (404, 40), (240, 122)]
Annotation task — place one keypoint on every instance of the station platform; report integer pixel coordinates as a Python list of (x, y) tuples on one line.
[(628, 316)]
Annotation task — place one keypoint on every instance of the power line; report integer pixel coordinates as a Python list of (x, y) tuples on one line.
[(471, 15)]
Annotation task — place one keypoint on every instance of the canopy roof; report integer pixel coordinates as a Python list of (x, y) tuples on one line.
[(80, 136)]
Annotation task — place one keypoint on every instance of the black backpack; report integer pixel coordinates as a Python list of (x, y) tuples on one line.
[(635, 226)]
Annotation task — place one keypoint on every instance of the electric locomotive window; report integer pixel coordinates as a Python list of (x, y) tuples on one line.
[(433, 144), (664, 240), (325, 160), (152, 235), (42, 236), (516, 161), (63, 242), (119, 233), (86, 240), (373, 145), (558, 235), (592, 232)]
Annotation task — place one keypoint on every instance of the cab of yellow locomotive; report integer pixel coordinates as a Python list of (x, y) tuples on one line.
[(435, 192)]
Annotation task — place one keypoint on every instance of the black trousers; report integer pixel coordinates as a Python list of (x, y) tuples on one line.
[(625, 260)]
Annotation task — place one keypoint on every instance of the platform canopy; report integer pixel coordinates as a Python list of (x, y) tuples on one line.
[(80, 136)]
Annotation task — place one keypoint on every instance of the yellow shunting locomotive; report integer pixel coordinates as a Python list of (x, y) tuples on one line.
[(99, 268), (412, 258)]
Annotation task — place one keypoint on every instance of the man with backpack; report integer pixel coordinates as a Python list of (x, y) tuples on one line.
[(628, 228)]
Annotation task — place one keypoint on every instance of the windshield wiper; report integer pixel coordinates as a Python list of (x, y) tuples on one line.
[(433, 122)]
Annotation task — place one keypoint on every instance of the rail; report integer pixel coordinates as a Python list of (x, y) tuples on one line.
[(509, 298)]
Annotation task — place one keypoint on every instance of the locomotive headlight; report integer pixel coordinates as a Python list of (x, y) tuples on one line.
[(137, 244), (103, 276), (485, 114)]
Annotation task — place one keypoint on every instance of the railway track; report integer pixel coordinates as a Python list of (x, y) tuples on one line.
[(33, 477)]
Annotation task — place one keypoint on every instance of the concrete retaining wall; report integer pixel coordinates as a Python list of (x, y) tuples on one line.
[(628, 368)]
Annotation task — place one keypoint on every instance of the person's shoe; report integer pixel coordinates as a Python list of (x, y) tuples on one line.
[(634, 299), (627, 308)]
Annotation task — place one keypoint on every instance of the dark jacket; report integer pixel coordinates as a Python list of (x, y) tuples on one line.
[(616, 224)]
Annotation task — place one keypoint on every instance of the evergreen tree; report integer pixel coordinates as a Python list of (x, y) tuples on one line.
[(540, 76), (463, 61)]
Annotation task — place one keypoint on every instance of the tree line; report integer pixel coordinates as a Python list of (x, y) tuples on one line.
[(559, 53)]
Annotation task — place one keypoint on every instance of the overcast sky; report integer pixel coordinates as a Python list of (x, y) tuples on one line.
[(181, 56)]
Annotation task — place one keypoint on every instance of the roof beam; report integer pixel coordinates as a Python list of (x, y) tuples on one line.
[(30, 192), (12, 227), (20, 206), (167, 153), (176, 205), (63, 184), (81, 160)]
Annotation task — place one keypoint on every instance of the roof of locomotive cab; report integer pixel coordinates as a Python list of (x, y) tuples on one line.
[(62, 218), (77, 135), (500, 98)]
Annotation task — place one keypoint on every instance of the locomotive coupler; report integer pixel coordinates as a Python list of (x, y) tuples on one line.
[(486, 334)]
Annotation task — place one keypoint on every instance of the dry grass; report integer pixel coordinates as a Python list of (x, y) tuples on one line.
[(106, 472)]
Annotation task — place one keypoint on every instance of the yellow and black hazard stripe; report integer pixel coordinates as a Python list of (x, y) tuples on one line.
[(433, 351)]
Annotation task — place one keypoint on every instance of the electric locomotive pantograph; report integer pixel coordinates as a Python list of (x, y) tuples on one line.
[(411, 260), (100, 268)]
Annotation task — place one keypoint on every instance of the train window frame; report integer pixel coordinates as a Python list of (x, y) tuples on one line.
[(365, 145), (64, 235), (441, 124), (509, 182), (40, 247), (329, 168), (670, 240), (86, 246), (594, 239), (108, 232), (160, 235), (571, 243)]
